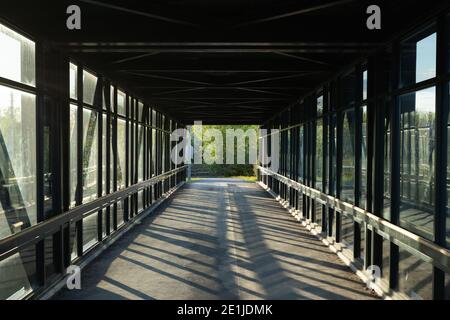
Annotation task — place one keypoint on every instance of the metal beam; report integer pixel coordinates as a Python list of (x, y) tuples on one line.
[(139, 13), (292, 13)]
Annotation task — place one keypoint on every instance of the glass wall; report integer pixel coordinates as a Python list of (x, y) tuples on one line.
[(448, 177), (373, 134), (89, 134), (364, 140), (18, 194), (348, 156), (417, 141)]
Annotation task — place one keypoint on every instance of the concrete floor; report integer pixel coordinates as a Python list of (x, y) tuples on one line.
[(218, 239)]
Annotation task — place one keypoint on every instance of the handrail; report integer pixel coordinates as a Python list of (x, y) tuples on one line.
[(439, 256), (33, 234)]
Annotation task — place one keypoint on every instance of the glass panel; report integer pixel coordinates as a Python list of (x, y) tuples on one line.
[(333, 146), (89, 86), (301, 153), (104, 150), (387, 168), (319, 155), (348, 89), (418, 59), (120, 213), (348, 157), (363, 158), (140, 200), (121, 153), (347, 231), (113, 155), (18, 274), (73, 153), (447, 286), (415, 276), (121, 102), (141, 154), (17, 57), (364, 93), (153, 152), (417, 141), (319, 106), (140, 111), (73, 74), (363, 241), (89, 231), (90, 155), (288, 153), (104, 221), (448, 179), (17, 161), (426, 58), (318, 213), (50, 261), (385, 263), (73, 241), (153, 118)]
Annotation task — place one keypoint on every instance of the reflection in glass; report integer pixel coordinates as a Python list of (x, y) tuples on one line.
[(17, 161), (89, 86), (417, 152), (319, 106), (120, 213), (319, 154), (347, 228), (121, 102), (18, 274), (104, 149), (90, 155), (333, 155), (448, 176), (121, 153), (348, 157), (364, 85), (89, 231), (153, 152), (73, 153), (387, 167), (363, 191), (17, 57), (301, 147), (140, 111), (73, 76), (141, 153)]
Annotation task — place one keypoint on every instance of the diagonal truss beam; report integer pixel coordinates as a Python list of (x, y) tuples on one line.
[(139, 13), (292, 13)]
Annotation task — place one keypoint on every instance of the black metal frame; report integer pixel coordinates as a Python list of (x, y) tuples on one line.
[(382, 99), (57, 226)]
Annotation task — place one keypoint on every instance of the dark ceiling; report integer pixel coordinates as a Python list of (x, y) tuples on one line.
[(220, 61)]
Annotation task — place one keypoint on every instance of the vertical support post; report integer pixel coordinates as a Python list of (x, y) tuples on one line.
[(441, 161)]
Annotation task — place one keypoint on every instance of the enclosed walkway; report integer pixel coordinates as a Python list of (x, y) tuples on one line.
[(218, 239)]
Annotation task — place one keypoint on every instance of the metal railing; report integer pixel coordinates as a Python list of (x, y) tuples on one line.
[(433, 253), (16, 242)]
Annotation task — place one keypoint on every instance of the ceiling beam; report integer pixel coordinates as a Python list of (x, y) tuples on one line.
[(284, 54), (139, 13), (136, 57), (292, 13)]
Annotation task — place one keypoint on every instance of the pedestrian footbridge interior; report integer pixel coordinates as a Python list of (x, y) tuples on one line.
[(357, 207)]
